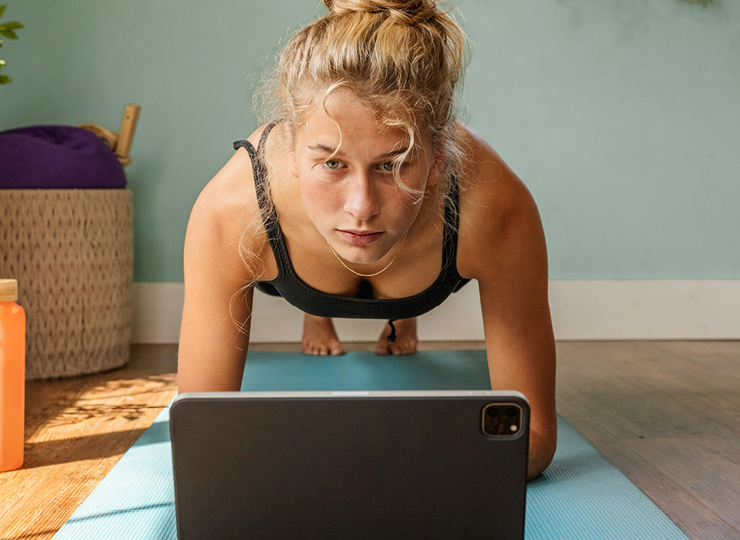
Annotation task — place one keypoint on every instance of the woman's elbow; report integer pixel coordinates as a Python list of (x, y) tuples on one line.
[(541, 451)]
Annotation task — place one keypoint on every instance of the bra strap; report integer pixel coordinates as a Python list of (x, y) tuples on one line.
[(259, 171)]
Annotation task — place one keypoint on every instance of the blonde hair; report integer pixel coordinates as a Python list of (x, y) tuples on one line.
[(403, 58)]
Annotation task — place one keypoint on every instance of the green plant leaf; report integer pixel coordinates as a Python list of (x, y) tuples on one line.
[(2, 8), (11, 25), (4, 79), (8, 33)]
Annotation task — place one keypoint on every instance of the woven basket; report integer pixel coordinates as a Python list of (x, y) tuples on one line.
[(71, 251)]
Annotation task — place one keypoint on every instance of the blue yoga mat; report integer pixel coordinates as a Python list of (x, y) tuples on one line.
[(580, 496)]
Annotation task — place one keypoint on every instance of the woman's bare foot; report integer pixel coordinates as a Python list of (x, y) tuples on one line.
[(406, 340), (319, 336)]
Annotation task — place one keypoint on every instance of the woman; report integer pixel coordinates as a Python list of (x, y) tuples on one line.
[(369, 199)]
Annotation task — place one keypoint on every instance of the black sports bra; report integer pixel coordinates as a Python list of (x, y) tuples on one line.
[(288, 285)]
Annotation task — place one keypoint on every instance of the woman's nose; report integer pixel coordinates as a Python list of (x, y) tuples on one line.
[(361, 200)]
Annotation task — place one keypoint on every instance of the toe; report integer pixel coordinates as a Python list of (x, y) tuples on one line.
[(382, 349), (404, 348)]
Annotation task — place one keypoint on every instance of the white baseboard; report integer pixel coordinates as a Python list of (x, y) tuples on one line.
[(581, 310)]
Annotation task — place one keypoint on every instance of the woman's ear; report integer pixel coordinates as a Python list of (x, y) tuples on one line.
[(438, 162), (293, 164), (436, 171)]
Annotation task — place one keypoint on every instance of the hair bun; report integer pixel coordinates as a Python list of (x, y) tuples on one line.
[(403, 12)]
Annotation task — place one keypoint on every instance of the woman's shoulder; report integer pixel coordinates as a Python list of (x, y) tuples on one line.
[(226, 214), (496, 208), (230, 197), (486, 179)]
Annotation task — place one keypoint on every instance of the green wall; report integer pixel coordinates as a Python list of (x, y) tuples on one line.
[(622, 116)]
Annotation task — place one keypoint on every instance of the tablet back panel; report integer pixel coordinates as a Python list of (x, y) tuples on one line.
[(412, 465)]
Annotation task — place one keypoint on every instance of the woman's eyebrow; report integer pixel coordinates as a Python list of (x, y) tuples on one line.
[(322, 148), (318, 147), (393, 153)]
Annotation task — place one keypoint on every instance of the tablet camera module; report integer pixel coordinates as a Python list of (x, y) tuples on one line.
[(501, 419)]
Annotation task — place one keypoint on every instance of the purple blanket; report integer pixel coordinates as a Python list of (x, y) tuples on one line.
[(57, 157)]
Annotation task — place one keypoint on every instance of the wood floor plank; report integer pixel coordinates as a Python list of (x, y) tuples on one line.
[(674, 408), (701, 467), (697, 521)]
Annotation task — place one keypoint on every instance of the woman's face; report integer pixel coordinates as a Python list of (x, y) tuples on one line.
[(352, 196)]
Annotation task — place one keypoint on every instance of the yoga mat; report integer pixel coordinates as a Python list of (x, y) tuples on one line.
[(581, 496)]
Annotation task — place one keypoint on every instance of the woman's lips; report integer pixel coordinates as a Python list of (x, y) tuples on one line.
[(358, 237)]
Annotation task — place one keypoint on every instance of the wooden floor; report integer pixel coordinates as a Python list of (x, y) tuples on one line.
[(666, 413)]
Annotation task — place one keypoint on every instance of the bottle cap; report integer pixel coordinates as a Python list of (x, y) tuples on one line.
[(8, 290)]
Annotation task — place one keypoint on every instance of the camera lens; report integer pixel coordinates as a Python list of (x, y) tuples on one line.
[(493, 412), (511, 412)]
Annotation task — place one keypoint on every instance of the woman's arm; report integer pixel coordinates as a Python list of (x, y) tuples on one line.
[(506, 253), (519, 339), (213, 348)]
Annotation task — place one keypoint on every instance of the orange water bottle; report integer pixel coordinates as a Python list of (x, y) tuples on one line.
[(12, 376)]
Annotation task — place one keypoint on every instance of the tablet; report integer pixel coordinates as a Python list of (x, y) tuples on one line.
[(350, 465)]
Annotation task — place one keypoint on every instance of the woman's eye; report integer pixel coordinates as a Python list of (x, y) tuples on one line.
[(388, 166), (332, 164)]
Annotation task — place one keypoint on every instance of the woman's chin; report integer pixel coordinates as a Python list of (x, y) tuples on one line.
[(360, 255), (359, 259)]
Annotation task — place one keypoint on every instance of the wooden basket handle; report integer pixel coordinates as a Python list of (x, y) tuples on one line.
[(119, 142)]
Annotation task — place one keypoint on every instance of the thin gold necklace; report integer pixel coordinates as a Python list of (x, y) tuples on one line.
[(376, 273)]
